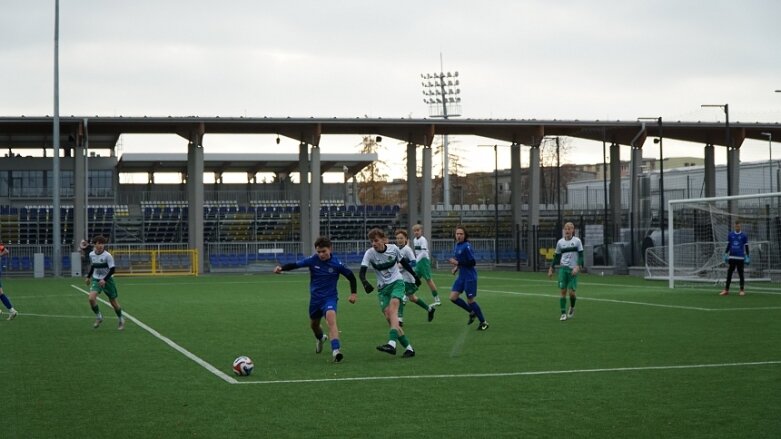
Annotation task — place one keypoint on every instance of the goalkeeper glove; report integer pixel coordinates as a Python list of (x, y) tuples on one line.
[(747, 260), (726, 258), (367, 287)]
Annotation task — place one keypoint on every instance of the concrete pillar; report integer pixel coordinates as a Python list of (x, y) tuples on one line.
[(195, 238), (314, 230), (534, 204), (615, 191), (412, 187), (710, 171), (515, 187), (425, 201), (303, 170), (634, 183)]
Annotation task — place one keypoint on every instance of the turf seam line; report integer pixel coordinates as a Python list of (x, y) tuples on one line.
[(513, 374)]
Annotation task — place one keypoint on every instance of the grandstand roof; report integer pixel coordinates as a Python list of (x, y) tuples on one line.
[(252, 163), (104, 132)]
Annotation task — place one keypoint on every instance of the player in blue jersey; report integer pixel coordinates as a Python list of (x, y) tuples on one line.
[(463, 262), (11, 310), (324, 271), (736, 255)]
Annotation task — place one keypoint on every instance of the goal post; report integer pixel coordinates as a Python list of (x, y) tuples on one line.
[(156, 262), (697, 231)]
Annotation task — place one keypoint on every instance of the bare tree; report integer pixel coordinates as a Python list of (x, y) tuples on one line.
[(372, 179)]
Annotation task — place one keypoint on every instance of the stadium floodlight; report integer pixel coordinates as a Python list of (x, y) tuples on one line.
[(443, 106)]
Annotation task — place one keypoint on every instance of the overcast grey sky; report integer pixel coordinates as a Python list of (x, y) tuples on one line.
[(517, 59)]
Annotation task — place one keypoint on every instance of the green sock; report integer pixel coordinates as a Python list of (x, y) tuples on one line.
[(563, 304), (572, 301), (401, 310), (95, 309), (404, 341), (434, 293), (394, 335), (118, 312), (422, 304)]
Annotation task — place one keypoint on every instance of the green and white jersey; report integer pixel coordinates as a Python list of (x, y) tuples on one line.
[(421, 248), (407, 252), (568, 249), (385, 264), (101, 264)]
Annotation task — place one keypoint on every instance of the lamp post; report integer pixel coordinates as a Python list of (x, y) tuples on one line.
[(727, 143), (661, 171), (496, 201), (441, 93), (769, 160)]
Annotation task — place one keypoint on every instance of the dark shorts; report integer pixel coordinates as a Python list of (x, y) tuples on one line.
[(317, 309), (468, 286)]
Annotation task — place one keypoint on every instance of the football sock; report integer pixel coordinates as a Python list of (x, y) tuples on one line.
[(95, 309), (572, 301), (6, 302), (401, 310), (476, 309), (404, 341), (460, 302), (335, 344), (421, 303), (434, 293), (394, 335), (118, 312), (319, 335), (563, 304)]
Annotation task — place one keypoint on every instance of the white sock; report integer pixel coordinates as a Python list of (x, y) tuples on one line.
[(392, 343)]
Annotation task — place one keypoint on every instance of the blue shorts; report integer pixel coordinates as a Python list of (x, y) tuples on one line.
[(317, 309), (465, 285)]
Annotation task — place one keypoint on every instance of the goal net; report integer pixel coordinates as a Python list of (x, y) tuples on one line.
[(155, 262), (696, 239)]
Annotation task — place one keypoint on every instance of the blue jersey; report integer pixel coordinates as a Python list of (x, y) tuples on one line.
[(466, 261), (324, 275), (737, 245)]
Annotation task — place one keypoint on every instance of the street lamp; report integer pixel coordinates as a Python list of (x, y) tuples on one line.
[(727, 143), (441, 93), (769, 159), (496, 200), (661, 172)]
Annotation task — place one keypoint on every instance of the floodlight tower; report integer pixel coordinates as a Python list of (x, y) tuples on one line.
[(441, 93)]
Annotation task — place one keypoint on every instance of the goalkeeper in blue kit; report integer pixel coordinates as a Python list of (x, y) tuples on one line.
[(736, 256)]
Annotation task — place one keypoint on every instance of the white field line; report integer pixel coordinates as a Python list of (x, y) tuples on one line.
[(631, 302), (628, 302), (60, 316), (659, 288), (198, 360), (16, 297), (514, 374)]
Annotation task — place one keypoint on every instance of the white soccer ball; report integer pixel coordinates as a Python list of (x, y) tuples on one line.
[(243, 365)]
